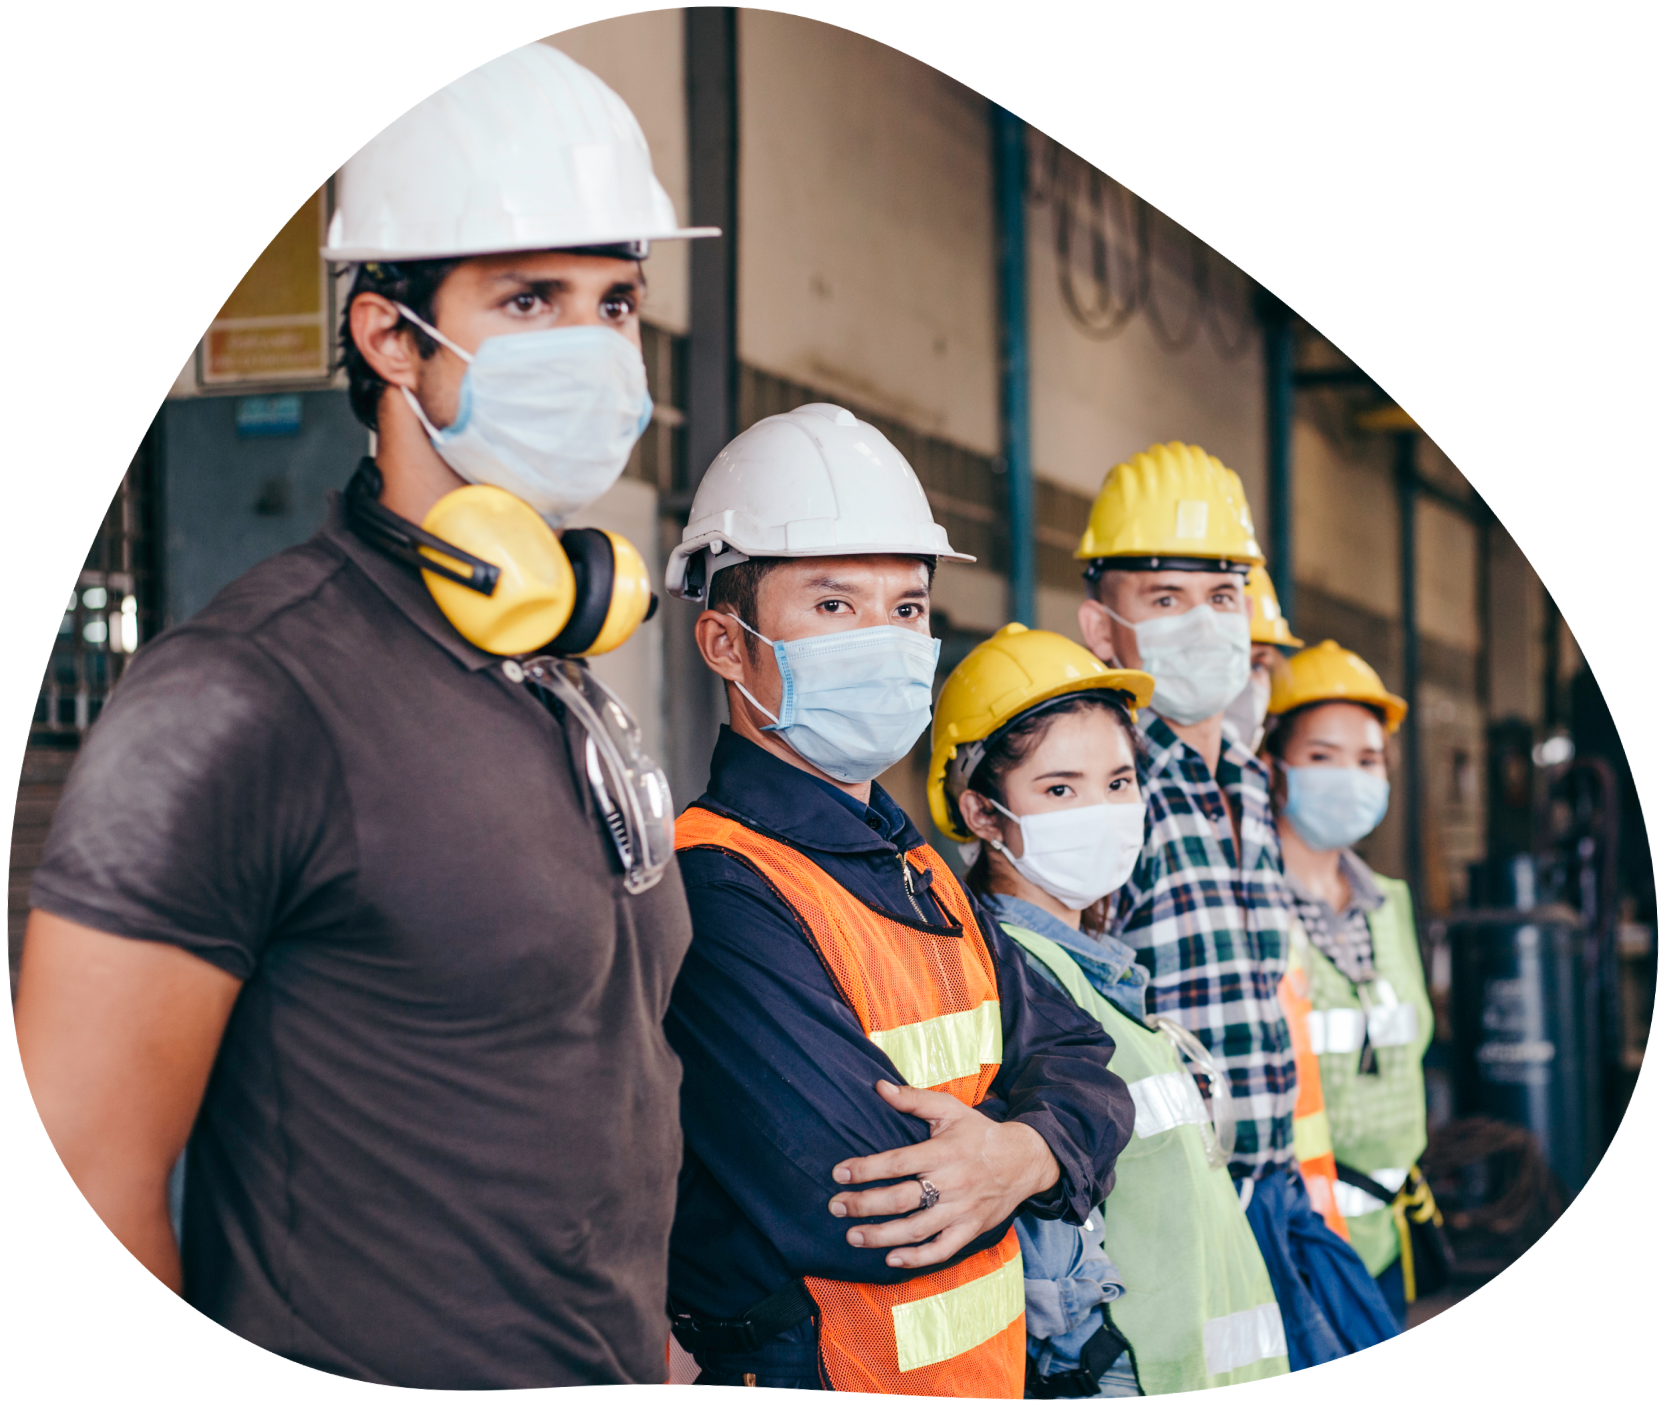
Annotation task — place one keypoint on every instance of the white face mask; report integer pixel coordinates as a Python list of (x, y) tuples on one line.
[(549, 416), (1246, 716), (1078, 855), (855, 702), (1199, 659)]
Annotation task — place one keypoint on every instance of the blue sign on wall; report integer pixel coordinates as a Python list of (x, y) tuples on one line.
[(269, 416)]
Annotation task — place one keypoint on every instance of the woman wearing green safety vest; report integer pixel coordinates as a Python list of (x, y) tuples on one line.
[(1371, 1021), (1034, 770)]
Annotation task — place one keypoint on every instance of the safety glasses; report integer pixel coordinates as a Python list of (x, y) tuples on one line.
[(630, 789)]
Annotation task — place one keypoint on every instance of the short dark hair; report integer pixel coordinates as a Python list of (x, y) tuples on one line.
[(410, 282), (1014, 743), (736, 588)]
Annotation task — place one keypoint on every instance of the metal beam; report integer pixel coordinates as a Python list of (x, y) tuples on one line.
[(1407, 486), (1279, 345), (694, 698), (1011, 214)]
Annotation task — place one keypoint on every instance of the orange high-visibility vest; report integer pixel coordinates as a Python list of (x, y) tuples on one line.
[(927, 998), (1312, 1134)]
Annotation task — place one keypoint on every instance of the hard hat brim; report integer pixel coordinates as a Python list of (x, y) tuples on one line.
[(355, 254), (676, 566)]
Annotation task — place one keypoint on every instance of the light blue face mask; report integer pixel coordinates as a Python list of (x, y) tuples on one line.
[(852, 703), (1332, 808), (549, 416)]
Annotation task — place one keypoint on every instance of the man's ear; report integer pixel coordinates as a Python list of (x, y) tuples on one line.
[(722, 644), (1097, 630), (390, 350)]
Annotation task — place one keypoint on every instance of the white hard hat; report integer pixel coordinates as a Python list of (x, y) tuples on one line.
[(811, 483), (529, 152)]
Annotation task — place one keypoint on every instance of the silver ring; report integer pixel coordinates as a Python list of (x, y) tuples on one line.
[(929, 1193)]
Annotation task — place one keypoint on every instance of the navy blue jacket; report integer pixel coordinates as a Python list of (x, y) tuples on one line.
[(778, 1076)]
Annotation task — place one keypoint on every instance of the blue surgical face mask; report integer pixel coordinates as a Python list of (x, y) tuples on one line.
[(1332, 808), (549, 416), (852, 703)]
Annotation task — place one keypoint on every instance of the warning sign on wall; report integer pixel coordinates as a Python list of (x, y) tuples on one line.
[(275, 325)]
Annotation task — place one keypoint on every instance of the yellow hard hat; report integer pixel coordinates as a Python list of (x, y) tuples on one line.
[(1171, 501), (999, 680), (1267, 624), (1329, 672)]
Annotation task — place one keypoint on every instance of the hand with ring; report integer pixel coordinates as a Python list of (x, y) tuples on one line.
[(961, 1182)]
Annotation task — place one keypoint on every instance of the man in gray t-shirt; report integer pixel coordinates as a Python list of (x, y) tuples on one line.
[(330, 896)]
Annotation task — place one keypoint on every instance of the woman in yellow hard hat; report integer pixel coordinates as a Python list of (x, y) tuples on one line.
[(1356, 944), (1034, 769)]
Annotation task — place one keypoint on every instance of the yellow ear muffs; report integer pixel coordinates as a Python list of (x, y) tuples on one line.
[(535, 591), (578, 594), (613, 596)]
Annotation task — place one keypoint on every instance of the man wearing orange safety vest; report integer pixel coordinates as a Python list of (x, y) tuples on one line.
[(874, 1083)]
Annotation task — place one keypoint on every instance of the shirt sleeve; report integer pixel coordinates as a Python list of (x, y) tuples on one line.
[(778, 1082), (1055, 1078), (200, 810)]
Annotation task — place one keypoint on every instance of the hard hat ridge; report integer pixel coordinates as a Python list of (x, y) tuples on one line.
[(811, 482), (531, 151), (1171, 506)]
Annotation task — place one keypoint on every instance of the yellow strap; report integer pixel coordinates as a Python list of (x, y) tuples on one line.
[(1419, 1205), (938, 1050), (948, 1323)]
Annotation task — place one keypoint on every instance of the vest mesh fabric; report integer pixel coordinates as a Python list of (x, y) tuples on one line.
[(1199, 1310), (903, 977)]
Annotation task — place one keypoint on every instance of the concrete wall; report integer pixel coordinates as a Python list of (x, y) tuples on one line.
[(1095, 403), (866, 250)]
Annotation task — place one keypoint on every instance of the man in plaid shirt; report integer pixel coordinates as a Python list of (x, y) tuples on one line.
[(1214, 933), (1168, 545)]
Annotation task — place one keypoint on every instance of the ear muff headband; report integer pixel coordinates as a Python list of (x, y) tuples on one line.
[(504, 579)]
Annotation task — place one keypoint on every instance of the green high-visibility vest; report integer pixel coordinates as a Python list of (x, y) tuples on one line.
[(1378, 1122), (1199, 1310)]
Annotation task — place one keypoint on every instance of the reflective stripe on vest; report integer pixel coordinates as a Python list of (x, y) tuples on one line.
[(1390, 1023), (937, 1050), (1197, 1300), (1243, 1338), (1356, 1203), (1312, 1128), (949, 1323), (927, 998)]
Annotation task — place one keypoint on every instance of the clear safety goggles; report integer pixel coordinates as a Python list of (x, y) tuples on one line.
[(1221, 1133), (630, 789)]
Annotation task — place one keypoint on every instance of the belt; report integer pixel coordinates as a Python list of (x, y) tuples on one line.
[(780, 1312)]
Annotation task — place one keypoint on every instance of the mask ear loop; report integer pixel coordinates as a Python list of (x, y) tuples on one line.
[(440, 338), (1113, 616), (762, 709), (1000, 846)]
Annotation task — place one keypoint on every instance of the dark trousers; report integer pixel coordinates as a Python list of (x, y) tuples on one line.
[(1330, 1304)]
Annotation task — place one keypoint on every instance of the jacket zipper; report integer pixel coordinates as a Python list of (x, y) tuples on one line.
[(908, 886)]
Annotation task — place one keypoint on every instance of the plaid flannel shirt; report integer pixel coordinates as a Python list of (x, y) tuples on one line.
[(1215, 934)]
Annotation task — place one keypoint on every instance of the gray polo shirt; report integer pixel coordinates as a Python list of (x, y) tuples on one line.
[(440, 1143)]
